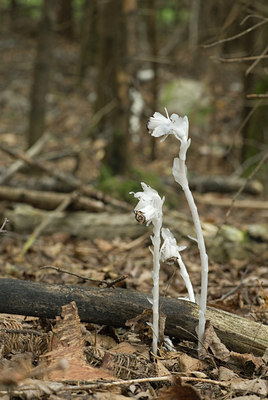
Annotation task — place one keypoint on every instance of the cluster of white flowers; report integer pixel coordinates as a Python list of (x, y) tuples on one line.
[(149, 209)]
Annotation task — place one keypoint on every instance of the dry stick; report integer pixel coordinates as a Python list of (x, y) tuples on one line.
[(102, 385), (246, 119), (238, 59), (253, 65), (256, 169), (107, 284), (233, 290), (17, 165), (70, 180), (2, 230), (257, 96), (129, 382), (241, 190), (37, 231), (237, 35)]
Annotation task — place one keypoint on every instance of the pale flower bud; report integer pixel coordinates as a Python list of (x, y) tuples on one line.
[(149, 207), (170, 251)]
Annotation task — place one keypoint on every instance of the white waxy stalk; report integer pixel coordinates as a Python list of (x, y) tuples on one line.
[(149, 210), (180, 176)]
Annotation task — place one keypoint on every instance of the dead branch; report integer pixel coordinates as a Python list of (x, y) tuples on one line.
[(238, 35), (257, 96), (238, 59), (74, 182), (17, 165), (114, 307)]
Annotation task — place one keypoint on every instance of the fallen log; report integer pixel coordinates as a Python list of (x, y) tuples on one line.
[(88, 225), (115, 306), (224, 202), (48, 200), (224, 184)]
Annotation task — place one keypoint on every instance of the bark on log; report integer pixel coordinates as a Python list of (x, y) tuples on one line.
[(115, 306)]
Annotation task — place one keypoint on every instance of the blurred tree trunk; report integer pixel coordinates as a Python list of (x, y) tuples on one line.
[(41, 74), (116, 44), (88, 39), (153, 43), (65, 18), (194, 25), (255, 131)]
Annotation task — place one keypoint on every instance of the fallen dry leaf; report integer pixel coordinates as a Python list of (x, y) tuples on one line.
[(161, 370), (213, 343), (67, 343), (179, 392), (256, 386), (189, 364), (248, 362)]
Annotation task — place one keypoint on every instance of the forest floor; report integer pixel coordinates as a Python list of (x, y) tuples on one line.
[(238, 279)]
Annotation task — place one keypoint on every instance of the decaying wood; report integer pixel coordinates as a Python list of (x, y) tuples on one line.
[(48, 200), (115, 306), (223, 202), (224, 184), (90, 225)]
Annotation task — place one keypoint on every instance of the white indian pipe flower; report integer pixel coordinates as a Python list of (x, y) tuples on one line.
[(169, 251), (149, 207), (158, 125)]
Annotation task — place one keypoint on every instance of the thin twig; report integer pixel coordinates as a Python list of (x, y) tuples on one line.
[(103, 282), (238, 59), (233, 290), (253, 65), (2, 230), (18, 164), (101, 384), (238, 35), (253, 173), (257, 96), (145, 380), (256, 169), (45, 222)]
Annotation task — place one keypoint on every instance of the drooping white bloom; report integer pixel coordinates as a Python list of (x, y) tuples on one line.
[(149, 207), (159, 125), (180, 175), (169, 249), (170, 252)]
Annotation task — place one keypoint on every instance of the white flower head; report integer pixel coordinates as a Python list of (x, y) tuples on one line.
[(158, 125), (170, 251), (149, 207)]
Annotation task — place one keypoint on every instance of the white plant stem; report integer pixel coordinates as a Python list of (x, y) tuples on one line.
[(202, 251), (186, 278), (156, 239)]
